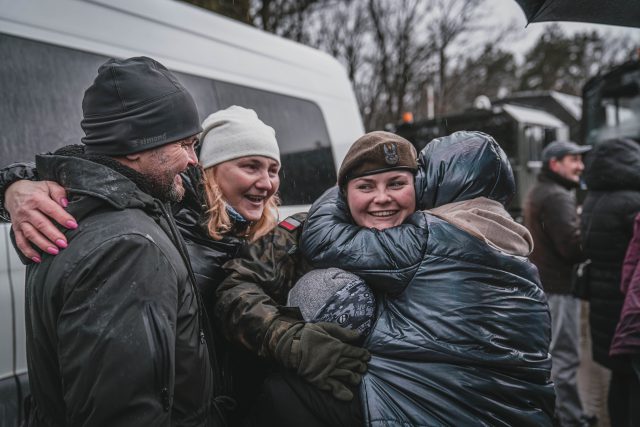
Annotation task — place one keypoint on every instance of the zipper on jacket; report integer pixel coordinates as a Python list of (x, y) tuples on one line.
[(166, 399), (205, 333), (160, 354)]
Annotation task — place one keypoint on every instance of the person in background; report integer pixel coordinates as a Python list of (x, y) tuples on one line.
[(612, 175), (230, 200), (626, 341), (550, 214)]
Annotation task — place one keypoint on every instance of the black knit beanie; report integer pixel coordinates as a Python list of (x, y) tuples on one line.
[(133, 105)]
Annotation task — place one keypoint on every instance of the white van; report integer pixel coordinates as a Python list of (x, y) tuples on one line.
[(50, 52)]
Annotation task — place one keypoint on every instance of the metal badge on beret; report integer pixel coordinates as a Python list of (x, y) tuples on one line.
[(391, 154)]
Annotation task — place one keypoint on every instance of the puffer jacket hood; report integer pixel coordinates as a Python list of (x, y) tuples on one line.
[(489, 221), (613, 165), (463, 166)]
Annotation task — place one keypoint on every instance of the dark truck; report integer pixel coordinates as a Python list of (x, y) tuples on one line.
[(611, 104)]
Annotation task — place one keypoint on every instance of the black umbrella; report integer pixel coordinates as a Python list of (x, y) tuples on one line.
[(612, 12)]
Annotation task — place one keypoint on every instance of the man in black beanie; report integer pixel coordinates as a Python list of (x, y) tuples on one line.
[(115, 334)]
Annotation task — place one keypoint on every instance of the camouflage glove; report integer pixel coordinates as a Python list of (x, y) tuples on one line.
[(320, 353)]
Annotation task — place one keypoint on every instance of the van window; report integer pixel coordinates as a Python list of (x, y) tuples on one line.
[(43, 85), (203, 92)]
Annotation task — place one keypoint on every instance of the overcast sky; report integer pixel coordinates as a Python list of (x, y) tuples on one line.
[(508, 10)]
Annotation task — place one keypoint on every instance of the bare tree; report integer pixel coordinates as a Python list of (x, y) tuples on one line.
[(390, 57), (486, 69), (234, 9), (399, 57), (394, 51), (492, 72), (343, 32), (453, 21), (289, 18)]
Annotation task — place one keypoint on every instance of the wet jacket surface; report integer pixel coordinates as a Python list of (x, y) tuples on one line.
[(463, 327), (238, 373), (627, 337), (551, 217), (115, 333), (252, 299), (612, 175), (207, 257)]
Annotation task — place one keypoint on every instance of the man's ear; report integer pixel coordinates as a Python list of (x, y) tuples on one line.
[(130, 160), (553, 164)]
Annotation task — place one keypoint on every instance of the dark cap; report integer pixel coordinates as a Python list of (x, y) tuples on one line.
[(559, 149), (377, 152), (136, 104)]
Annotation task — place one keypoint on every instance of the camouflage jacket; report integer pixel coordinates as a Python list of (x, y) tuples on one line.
[(251, 301)]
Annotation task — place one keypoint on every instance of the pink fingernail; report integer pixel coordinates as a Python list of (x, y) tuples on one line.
[(64, 202), (71, 224), (36, 259), (61, 243), (52, 250)]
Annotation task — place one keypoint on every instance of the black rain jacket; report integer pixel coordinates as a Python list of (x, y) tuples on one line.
[(115, 330), (236, 372), (612, 175)]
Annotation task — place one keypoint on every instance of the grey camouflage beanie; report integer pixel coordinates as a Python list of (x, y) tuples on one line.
[(336, 296)]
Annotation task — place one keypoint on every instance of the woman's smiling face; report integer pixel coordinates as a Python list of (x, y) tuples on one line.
[(382, 200), (247, 183)]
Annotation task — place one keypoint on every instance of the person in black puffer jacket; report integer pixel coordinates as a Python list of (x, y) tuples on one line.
[(463, 328), (612, 176)]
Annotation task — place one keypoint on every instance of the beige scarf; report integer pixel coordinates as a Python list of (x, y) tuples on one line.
[(488, 220)]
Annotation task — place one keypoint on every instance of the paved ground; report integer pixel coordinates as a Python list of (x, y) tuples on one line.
[(593, 379)]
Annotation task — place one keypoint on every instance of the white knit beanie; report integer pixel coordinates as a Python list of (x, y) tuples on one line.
[(233, 133)]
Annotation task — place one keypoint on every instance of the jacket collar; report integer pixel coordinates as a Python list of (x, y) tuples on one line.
[(547, 175), (83, 176)]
